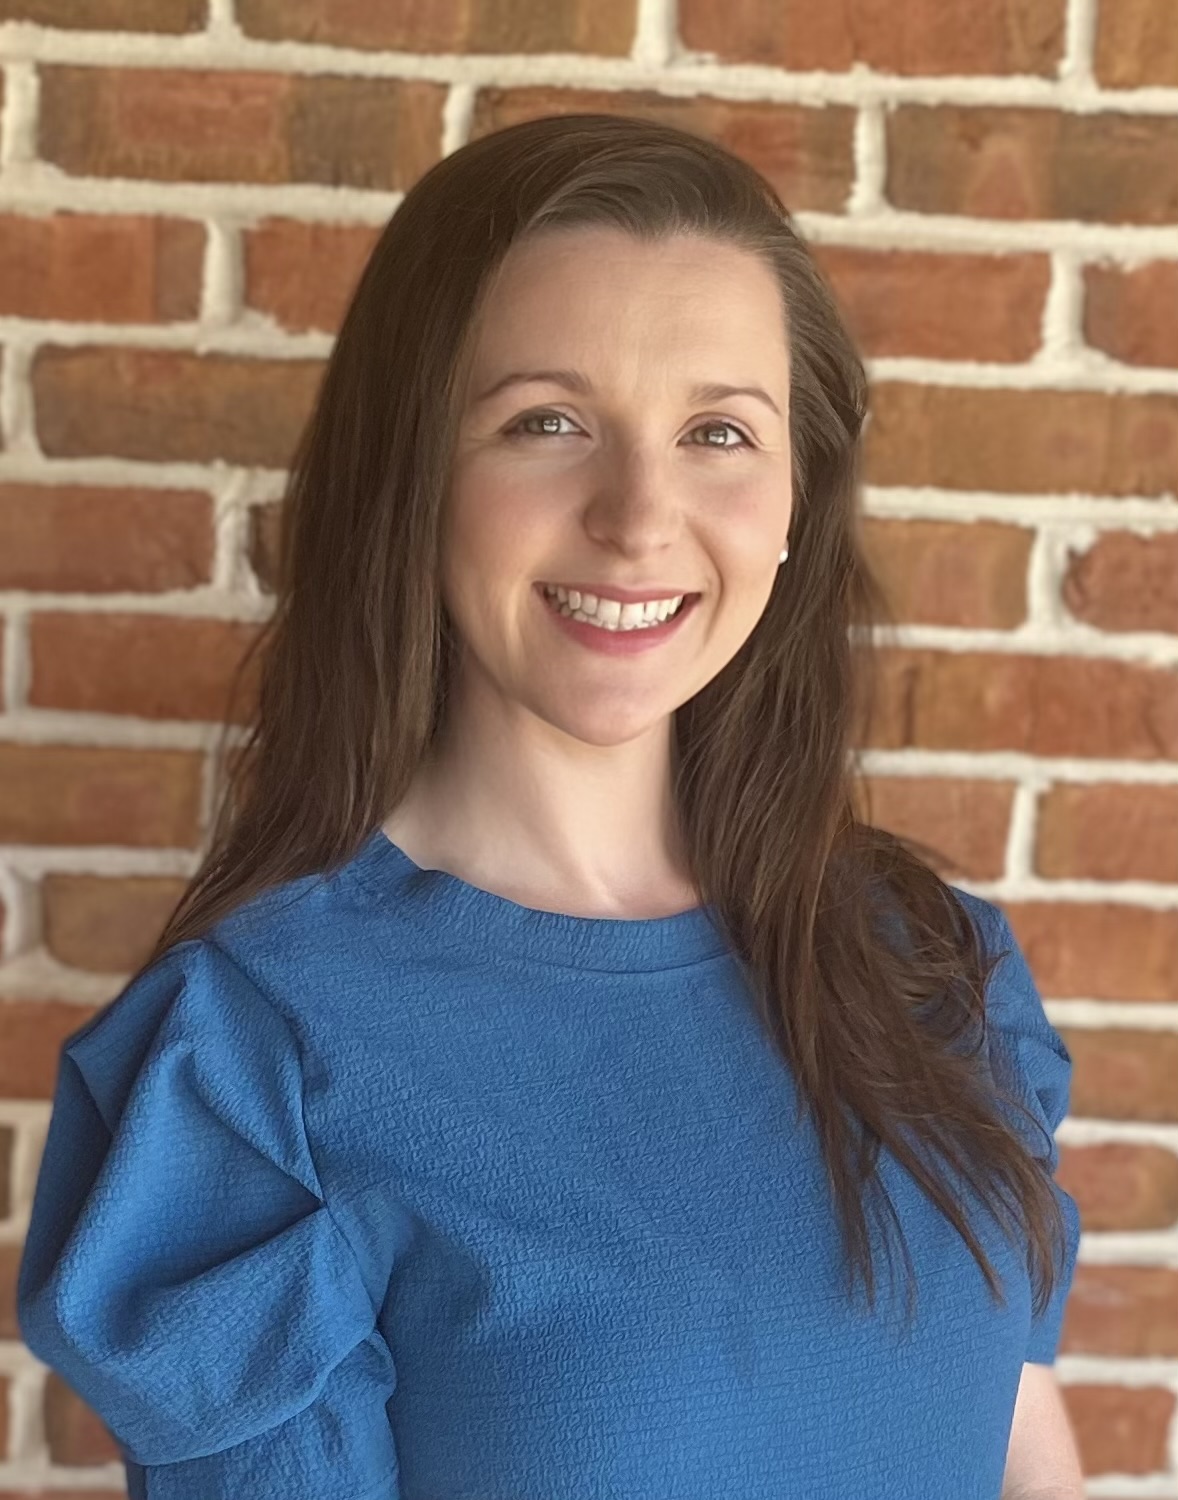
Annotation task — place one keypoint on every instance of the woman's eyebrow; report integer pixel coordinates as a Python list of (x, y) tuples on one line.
[(573, 380)]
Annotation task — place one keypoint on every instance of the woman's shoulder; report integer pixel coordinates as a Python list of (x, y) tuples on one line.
[(259, 964), (182, 1269)]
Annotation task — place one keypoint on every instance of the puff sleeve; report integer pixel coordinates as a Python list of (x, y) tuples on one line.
[(1028, 1059), (182, 1271)]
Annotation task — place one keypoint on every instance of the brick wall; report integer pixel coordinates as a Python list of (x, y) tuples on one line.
[(188, 189)]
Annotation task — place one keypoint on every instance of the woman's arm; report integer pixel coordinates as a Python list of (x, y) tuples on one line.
[(1042, 1460)]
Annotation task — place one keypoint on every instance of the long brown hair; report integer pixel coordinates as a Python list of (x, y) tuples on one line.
[(355, 662)]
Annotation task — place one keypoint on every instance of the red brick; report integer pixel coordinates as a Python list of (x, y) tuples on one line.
[(151, 666), (1120, 1429), (1108, 832), (97, 267), (1033, 163), (1032, 704), (264, 545), (939, 306), (1045, 441), (76, 794), (1128, 1312), (1124, 1075), (1098, 950), (110, 15), (106, 923), (73, 1433), (806, 153), (944, 573), (1136, 44), (59, 1494), (7, 1141), (303, 275), (234, 126), (164, 404), (1122, 1186), (33, 1033), (1125, 582), (9, 1267), (1133, 315), (964, 820), (94, 539), (603, 27), (917, 37)]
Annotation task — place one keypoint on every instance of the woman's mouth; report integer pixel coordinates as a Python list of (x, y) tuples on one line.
[(614, 634)]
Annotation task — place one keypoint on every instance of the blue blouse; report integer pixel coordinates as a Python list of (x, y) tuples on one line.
[(389, 1188)]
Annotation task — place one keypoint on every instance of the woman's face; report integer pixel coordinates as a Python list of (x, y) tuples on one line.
[(635, 480)]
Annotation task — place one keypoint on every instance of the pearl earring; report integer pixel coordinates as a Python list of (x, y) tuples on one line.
[(784, 555)]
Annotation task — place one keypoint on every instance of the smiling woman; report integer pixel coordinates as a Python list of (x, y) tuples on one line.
[(641, 486), (546, 1058)]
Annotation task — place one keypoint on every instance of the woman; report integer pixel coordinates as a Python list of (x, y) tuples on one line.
[(499, 1114)]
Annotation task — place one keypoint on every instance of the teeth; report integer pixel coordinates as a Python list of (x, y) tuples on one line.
[(611, 614)]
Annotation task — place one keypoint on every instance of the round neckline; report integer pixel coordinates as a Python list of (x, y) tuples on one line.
[(458, 911)]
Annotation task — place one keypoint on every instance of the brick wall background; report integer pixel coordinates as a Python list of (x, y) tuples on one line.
[(188, 189)]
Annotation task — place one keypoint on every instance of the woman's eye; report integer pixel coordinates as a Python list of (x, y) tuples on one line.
[(520, 429), (723, 447)]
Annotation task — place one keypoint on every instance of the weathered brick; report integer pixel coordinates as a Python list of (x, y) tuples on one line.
[(1120, 1429), (1033, 163), (106, 923), (1122, 1185), (265, 538), (919, 36), (944, 573), (7, 1141), (939, 306), (33, 1033), (965, 820), (82, 794), (110, 15), (806, 153), (604, 27), (1044, 441), (1123, 1074), (1125, 582), (59, 1494), (161, 404), (1098, 950), (9, 1268), (1030, 703), (1133, 315), (152, 666), (95, 539), (1113, 831), (235, 126), (88, 1493), (1128, 1312), (303, 274), (74, 1435), (99, 267), (1136, 44)]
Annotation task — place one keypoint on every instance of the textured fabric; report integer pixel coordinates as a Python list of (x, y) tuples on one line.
[(392, 1189)]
